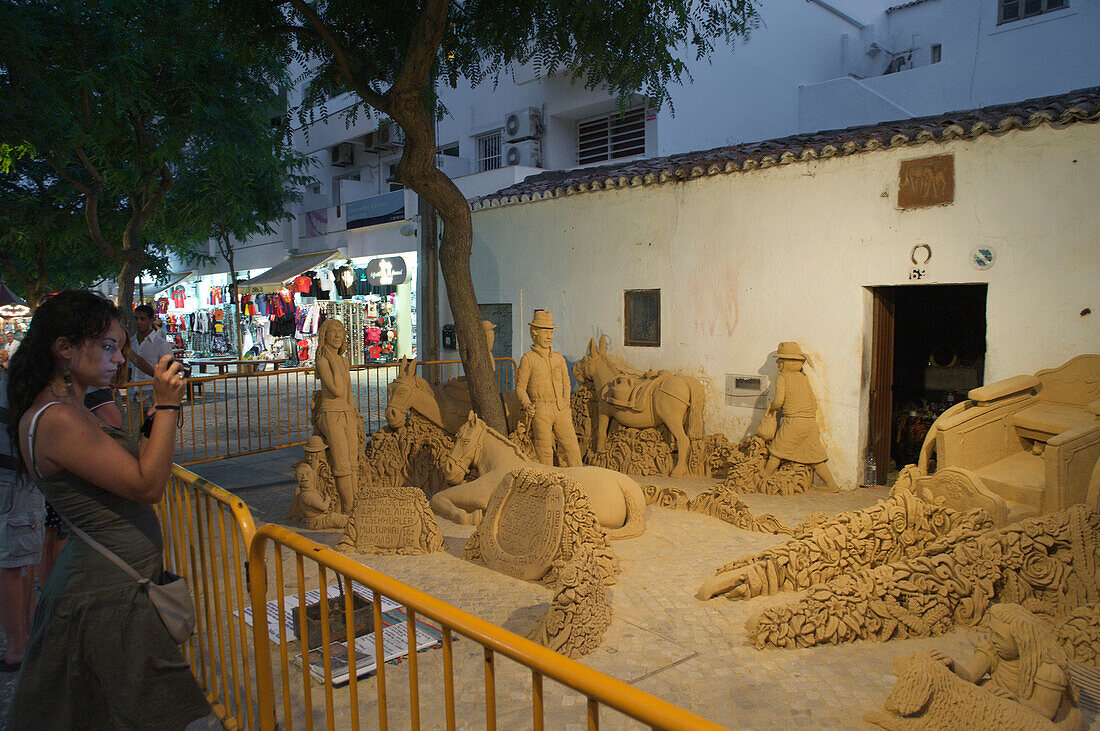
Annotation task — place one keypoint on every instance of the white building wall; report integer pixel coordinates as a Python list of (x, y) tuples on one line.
[(744, 261), (982, 63)]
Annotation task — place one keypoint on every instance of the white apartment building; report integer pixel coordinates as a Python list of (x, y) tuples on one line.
[(811, 65)]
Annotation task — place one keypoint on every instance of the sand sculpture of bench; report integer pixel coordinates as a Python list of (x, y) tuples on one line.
[(1024, 446)]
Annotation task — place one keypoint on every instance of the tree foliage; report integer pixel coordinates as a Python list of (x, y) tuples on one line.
[(130, 102), (44, 245), (392, 53)]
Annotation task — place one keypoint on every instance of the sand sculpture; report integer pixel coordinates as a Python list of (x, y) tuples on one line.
[(1079, 635), (445, 406), (542, 385), (413, 455), (929, 697), (1028, 443), (643, 401), (718, 502), (391, 520), (797, 438), (899, 527), (1020, 662), (616, 500), (744, 465), (1048, 564), (316, 502), (534, 526), (579, 613), (336, 415)]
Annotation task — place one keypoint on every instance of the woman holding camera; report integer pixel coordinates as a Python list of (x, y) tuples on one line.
[(99, 654)]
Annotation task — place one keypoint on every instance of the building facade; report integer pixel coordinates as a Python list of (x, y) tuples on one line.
[(912, 261)]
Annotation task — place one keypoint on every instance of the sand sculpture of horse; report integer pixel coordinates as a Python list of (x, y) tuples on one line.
[(616, 500), (667, 399), (445, 406)]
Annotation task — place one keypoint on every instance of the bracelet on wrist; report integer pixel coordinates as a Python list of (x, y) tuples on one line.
[(174, 407)]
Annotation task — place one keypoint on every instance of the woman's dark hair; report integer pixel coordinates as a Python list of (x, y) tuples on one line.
[(75, 314)]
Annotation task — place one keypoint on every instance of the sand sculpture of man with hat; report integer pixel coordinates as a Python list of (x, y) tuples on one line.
[(316, 503), (542, 385), (797, 438)]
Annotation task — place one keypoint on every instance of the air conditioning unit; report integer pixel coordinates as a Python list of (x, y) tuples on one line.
[(343, 155), (522, 125), (386, 137), (527, 153)]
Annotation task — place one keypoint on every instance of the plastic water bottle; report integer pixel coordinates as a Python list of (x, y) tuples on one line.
[(870, 472)]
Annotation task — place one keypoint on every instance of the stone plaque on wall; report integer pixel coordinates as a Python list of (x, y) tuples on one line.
[(929, 181)]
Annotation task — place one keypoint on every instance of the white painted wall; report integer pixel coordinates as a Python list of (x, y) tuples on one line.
[(744, 261), (982, 63)]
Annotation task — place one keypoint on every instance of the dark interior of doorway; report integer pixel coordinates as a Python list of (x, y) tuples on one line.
[(928, 357)]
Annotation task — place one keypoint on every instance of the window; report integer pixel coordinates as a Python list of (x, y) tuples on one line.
[(392, 179), (642, 321), (450, 150), (937, 52), (611, 136), (488, 151), (1010, 10)]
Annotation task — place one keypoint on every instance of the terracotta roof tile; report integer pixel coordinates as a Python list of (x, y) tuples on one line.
[(1057, 111)]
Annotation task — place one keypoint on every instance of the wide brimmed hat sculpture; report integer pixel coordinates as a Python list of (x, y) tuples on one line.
[(543, 319)]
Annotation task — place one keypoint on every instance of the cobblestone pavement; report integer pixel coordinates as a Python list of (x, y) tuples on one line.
[(662, 640)]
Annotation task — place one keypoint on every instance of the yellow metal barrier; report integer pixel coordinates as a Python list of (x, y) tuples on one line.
[(207, 535), (237, 414), (296, 702)]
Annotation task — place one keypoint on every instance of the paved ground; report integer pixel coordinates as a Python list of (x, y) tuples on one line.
[(664, 641)]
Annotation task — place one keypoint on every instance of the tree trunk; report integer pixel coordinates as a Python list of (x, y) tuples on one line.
[(417, 170), (131, 268), (428, 284), (234, 295)]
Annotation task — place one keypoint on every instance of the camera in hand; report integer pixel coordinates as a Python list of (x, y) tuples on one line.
[(185, 367)]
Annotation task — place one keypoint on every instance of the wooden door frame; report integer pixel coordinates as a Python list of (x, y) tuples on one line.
[(880, 403)]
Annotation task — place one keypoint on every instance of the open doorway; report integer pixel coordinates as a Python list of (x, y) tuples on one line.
[(928, 350)]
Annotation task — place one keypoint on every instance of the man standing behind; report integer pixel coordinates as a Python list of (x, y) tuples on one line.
[(10, 344), (148, 348), (542, 385)]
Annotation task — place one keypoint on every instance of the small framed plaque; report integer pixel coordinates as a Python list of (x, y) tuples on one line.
[(929, 181), (642, 317)]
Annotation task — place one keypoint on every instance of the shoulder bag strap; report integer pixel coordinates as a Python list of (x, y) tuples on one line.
[(106, 552)]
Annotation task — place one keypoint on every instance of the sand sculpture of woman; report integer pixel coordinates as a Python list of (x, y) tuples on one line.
[(797, 439), (337, 415), (1022, 660)]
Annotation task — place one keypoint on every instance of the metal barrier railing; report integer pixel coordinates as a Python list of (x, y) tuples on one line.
[(208, 532), (236, 414), (296, 704)]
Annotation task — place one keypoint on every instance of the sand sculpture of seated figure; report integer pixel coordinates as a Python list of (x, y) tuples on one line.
[(1023, 661), (797, 438), (337, 415), (316, 503), (616, 500)]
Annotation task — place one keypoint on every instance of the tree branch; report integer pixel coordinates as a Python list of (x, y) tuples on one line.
[(340, 54)]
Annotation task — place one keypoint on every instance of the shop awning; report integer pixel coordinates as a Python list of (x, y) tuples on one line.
[(155, 288), (7, 297), (274, 278)]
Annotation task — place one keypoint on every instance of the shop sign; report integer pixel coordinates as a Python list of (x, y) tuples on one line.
[(386, 271), (377, 209)]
